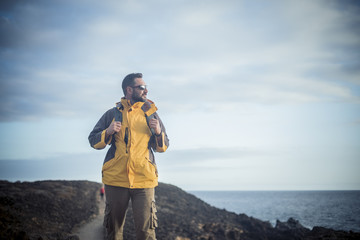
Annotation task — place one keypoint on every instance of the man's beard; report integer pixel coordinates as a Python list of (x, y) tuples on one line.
[(138, 98)]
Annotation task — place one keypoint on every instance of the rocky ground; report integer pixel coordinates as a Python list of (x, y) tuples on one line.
[(46, 209), (52, 209)]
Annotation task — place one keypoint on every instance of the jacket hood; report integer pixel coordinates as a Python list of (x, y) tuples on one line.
[(148, 107)]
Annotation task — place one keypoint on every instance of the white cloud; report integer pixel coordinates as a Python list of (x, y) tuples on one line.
[(274, 53)]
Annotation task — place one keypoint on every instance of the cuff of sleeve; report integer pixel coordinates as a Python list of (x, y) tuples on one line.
[(102, 144), (160, 143), (103, 138)]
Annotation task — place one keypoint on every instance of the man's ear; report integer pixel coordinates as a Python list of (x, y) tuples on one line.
[(129, 90)]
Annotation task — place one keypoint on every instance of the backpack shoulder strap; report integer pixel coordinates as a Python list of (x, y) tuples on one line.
[(147, 120), (149, 113), (117, 114)]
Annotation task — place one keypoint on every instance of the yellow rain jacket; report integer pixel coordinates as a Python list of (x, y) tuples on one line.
[(130, 160)]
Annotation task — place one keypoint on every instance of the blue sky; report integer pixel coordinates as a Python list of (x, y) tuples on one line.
[(255, 95)]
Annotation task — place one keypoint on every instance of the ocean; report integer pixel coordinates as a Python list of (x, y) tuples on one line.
[(339, 210)]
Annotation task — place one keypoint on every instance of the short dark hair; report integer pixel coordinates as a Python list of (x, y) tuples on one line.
[(129, 80)]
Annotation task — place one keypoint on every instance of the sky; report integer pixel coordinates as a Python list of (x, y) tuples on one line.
[(254, 95)]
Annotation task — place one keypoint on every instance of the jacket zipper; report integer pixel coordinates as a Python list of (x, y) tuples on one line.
[(126, 138)]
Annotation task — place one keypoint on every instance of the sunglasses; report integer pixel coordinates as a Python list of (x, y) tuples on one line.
[(141, 87)]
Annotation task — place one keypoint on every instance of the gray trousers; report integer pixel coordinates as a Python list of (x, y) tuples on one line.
[(144, 211)]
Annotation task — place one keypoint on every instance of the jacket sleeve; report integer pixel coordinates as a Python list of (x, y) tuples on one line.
[(162, 141), (97, 135)]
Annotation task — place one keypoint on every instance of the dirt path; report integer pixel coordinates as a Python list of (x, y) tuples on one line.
[(93, 230)]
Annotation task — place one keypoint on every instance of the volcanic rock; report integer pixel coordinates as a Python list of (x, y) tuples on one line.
[(47, 210)]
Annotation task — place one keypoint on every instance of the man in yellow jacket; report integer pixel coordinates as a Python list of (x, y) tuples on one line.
[(133, 130)]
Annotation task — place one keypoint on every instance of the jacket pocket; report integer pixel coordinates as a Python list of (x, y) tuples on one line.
[(108, 164), (153, 219), (150, 169)]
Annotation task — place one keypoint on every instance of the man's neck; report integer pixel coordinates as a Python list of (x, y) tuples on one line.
[(132, 101), (129, 100)]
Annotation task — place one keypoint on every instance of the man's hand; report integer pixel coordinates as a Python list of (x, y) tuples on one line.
[(154, 124), (113, 128)]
